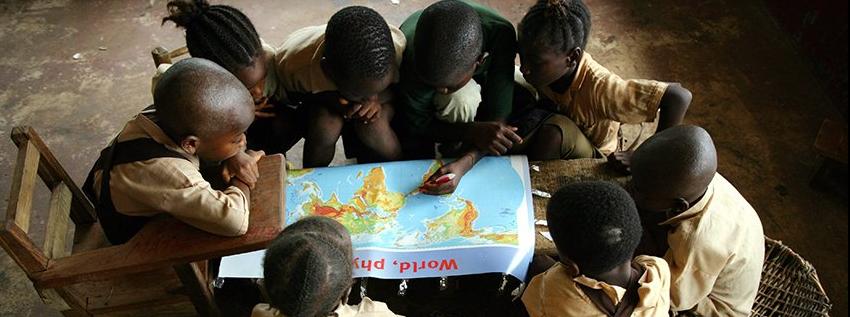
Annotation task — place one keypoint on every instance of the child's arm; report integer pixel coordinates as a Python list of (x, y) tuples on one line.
[(673, 106)]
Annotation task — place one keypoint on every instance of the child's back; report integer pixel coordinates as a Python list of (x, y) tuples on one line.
[(596, 229)]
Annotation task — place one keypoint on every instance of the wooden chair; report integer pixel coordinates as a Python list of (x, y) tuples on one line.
[(160, 272), (789, 285)]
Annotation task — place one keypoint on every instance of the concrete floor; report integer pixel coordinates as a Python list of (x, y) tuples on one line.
[(752, 91)]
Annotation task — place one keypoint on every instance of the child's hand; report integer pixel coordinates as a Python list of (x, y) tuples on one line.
[(364, 112), (263, 109), (446, 179), (243, 166), (495, 138), (621, 162)]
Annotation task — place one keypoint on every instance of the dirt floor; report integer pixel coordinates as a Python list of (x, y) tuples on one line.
[(752, 91)]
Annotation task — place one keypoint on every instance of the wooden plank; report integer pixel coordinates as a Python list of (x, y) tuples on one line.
[(179, 52), (55, 240), (116, 294), (19, 209), (19, 246), (195, 283), (51, 298), (177, 306), (165, 241), (52, 173)]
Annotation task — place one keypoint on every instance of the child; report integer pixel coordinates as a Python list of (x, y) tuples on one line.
[(226, 36), (308, 271), (596, 229), (201, 112), (715, 238), (341, 73), (457, 78), (552, 39)]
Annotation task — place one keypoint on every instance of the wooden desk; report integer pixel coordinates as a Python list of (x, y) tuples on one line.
[(555, 174), (166, 242)]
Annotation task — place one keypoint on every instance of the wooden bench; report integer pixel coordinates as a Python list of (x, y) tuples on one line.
[(162, 271)]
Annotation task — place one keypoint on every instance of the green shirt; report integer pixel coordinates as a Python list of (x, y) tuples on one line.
[(495, 75)]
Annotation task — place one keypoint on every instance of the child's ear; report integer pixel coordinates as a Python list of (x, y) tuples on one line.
[(190, 144), (575, 56), (680, 205)]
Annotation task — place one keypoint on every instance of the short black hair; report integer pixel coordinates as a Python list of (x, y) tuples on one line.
[(219, 33), (198, 97), (308, 268), (562, 25), (449, 38), (680, 161), (359, 44), (595, 224)]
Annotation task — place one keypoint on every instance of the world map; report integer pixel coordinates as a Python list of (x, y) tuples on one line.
[(382, 208)]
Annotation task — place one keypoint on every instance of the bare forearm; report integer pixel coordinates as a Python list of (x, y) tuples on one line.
[(673, 106)]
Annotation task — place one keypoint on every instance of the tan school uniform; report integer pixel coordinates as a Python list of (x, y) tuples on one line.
[(556, 292), (598, 101), (173, 186), (366, 308), (298, 60), (716, 253)]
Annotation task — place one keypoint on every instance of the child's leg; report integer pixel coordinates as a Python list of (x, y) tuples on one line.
[(379, 137), (323, 131), (559, 138)]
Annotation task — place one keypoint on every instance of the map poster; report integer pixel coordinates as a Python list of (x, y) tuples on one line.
[(485, 226)]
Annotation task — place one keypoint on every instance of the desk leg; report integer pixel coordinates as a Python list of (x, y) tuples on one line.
[(195, 283)]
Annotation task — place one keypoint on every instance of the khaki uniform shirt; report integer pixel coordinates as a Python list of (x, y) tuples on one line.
[(716, 253), (298, 60), (556, 292), (366, 308), (173, 186), (599, 100)]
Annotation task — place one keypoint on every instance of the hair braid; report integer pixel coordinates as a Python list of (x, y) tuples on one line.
[(559, 24)]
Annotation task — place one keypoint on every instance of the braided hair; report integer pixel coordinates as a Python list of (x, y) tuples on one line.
[(358, 44), (559, 24), (308, 268), (595, 224), (219, 33)]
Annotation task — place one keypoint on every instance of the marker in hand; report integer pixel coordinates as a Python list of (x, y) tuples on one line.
[(444, 179)]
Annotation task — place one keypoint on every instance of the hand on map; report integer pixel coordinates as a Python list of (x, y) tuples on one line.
[(621, 162), (446, 179), (243, 166), (494, 138)]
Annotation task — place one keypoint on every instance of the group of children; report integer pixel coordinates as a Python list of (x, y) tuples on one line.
[(444, 81)]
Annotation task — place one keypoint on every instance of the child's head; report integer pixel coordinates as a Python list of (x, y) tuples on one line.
[(595, 225), (308, 268), (673, 169), (449, 44), (359, 55), (224, 35), (552, 38), (203, 108)]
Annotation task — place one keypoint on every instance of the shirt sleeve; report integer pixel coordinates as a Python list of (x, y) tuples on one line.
[(498, 91), (694, 271), (627, 101), (176, 187)]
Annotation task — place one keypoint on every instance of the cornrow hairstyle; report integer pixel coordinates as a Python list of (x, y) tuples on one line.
[(595, 224), (219, 33), (308, 268), (358, 44), (449, 38), (559, 24)]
